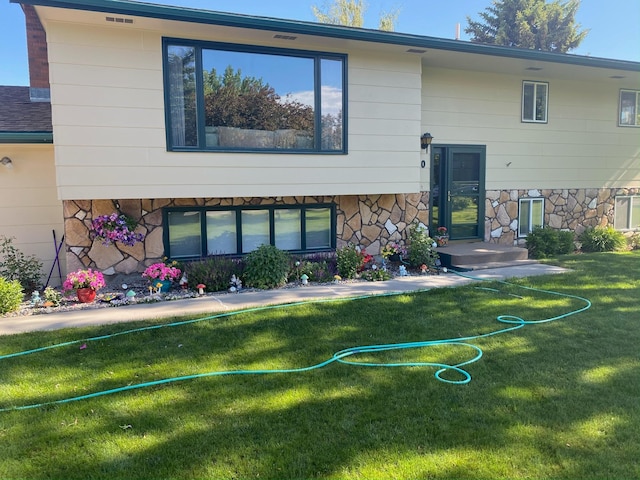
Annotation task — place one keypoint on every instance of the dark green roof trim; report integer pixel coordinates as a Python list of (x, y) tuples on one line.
[(134, 8), (26, 137)]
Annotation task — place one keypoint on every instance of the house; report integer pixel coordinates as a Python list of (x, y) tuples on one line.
[(217, 132)]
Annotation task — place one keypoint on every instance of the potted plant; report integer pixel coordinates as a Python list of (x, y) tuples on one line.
[(86, 283), (442, 238), (116, 228), (393, 252), (162, 275)]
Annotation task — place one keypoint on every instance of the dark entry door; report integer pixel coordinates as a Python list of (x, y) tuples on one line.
[(457, 190)]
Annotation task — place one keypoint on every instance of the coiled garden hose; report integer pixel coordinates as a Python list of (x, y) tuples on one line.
[(346, 356)]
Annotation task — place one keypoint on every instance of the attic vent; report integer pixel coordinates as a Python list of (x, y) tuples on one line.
[(284, 37), (416, 50), (534, 69), (119, 20)]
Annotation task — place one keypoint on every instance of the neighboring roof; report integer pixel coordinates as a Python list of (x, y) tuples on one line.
[(183, 14), (21, 120)]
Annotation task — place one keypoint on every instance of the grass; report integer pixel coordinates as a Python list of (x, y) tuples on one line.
[(553, 400)]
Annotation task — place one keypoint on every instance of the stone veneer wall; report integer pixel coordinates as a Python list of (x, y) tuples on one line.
[(566, 209), (366, 220)]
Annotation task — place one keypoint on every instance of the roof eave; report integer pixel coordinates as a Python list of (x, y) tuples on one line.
[(125, 7)]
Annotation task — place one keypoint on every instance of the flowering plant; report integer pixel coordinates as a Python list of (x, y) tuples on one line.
[(392, 249), (84, 279), (162, 271), (442, 230), (116, 228)]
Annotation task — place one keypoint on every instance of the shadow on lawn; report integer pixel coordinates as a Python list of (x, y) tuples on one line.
[(527, 409)]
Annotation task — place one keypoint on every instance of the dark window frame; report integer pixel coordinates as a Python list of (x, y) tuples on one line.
[(198, 45), (238, 210)]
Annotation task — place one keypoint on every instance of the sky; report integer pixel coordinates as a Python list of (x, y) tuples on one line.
[(614, 25)]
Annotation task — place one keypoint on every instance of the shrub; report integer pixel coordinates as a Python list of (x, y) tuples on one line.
[(420, 249), (602, 239), (376, 275), (15, 265), (214, 272), (52, 295), (266, 267), (545, 242), (350, 260), (10, 295), (318, 270)]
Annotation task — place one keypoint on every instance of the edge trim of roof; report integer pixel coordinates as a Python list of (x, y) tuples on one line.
[(26, 137), (193, 15)]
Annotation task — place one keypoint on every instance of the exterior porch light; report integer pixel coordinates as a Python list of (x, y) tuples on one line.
[(425, 140), (6, 162)]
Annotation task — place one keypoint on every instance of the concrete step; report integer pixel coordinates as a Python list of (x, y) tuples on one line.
[(480, 255)]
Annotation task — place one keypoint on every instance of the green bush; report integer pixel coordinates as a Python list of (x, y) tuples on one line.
[(214, 272), (52, 295), (350, 261), (376, 275), (10, 295), (602, 239), (318, 269), (420, 248), (545, 242), (266, 267), (15, 265)]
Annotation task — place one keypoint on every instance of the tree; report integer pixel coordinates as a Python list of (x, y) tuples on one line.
[(532, 24), (351, 13)]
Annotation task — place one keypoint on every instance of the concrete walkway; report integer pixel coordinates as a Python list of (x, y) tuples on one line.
[(211, 304)]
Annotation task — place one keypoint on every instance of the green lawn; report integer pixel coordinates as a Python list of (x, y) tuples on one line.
[(549, 400)]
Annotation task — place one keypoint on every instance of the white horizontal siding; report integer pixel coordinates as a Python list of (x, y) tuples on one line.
[(108, 115), (580, 146)]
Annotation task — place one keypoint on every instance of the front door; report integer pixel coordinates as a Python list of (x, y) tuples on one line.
[(457, 190)]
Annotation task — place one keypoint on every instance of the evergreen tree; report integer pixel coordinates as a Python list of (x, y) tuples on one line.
[(533, 24)]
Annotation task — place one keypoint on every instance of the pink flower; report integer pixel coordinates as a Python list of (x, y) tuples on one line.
[(84, 279)]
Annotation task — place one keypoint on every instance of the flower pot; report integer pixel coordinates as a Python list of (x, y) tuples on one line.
[(166, 285), (86, 295), (394, 258), (442, 240)]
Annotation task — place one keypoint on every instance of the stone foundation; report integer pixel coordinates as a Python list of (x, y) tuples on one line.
[(370, 221), (565, 209)]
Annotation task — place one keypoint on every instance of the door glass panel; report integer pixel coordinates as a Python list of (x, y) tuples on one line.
[(464, 199), (435, 190)]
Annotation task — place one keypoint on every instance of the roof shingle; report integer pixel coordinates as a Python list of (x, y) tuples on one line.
[(19, 114)]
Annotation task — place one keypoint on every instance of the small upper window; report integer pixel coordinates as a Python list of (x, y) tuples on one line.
[(629, 108), (535, 99), (242, 98)]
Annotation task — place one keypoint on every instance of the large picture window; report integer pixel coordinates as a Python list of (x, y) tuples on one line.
[(629, 108), (535, 99), (241, 98), (530, 215), (627, 212), (195, 232)]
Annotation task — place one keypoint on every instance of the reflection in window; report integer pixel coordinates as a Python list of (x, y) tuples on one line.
[(239, 230), (221, 232), (534, 101), (629, 108), (254, 99), (182, 95), (627, 213), (318, 226), (287, 229), (184, 234), (531, 214)]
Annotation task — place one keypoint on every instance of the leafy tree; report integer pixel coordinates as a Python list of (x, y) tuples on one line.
[(532, 24), (351, 13)]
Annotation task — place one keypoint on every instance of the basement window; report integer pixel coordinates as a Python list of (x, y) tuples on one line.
[(530, 215)]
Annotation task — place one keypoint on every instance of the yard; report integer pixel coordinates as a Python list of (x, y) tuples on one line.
[(549, 400)]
